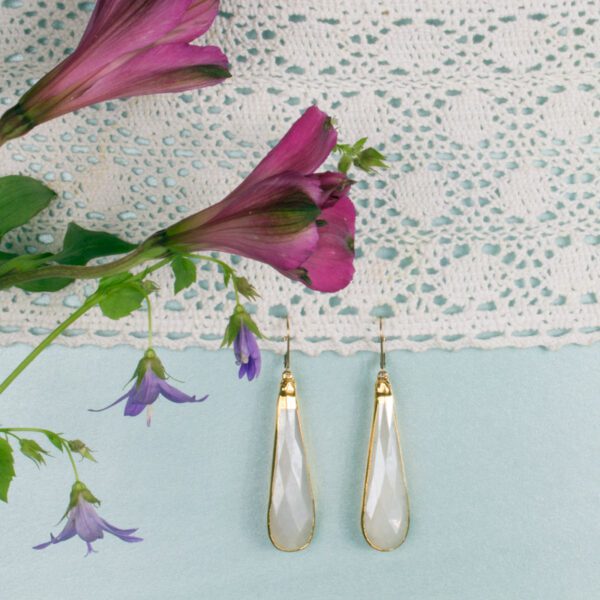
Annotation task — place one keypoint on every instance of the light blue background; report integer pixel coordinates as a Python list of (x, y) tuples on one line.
[(502, 454)]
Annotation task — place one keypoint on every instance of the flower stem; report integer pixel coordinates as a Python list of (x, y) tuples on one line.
[(94, 299), (149, 305), (87, 305), (70, 454), (226, 267), (141, 254)]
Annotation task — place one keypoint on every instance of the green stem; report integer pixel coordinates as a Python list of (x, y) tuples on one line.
[(66, 447), (87, 305), (138, 256), (65, 444), (94, 299), (225, 267), (149, 305)]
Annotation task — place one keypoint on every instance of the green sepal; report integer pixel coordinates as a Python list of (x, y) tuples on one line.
[(78, 490), (238, 318), (245, 288), (366, 159), (7, 470), (150, 360), (184, 270), (344, 163), (31, 449), (80, 447), (21, 198), (227, 275), (369, 160)]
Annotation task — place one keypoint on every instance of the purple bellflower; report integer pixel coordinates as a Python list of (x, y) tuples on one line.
[(84, 521), (247, 353), (149, 384)]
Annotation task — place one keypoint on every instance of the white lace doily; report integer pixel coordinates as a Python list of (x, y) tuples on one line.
[(484, 232)]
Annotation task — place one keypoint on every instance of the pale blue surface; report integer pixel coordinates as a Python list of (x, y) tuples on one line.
[(502, 451)]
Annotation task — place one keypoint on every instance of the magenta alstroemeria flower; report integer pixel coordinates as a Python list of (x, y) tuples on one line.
[(129, 48), (284, 214), (84, 521), (247, 353), (149, 384)]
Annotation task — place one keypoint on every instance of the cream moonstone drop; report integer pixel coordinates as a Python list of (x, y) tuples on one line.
[(291, 515), (385, 512)]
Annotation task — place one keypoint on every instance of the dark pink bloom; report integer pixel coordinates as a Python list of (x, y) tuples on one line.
[(129, 48), (150, 383), (284, 214), (84, 521)]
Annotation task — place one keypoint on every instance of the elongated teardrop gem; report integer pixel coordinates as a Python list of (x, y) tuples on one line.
[(291, 516), (385, 512)]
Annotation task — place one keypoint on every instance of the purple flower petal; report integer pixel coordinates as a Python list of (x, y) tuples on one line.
[(123, 534), (133, 410), (125, 395), (87, 521), (84, 521), (174, 395), (247, 353), (147, 391)]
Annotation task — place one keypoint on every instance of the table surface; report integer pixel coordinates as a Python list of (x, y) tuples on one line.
[(501, 450)]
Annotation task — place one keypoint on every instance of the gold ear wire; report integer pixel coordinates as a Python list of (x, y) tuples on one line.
[(286, 358), (381, 346)]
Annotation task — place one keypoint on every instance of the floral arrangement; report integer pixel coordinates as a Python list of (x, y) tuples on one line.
[(286, 213)]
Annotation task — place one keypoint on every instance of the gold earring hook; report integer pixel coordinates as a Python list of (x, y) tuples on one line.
[(381, 345), (286, 358)]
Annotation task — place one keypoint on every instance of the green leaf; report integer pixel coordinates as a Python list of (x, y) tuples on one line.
[(52, 284), (31, 449), (82, 245), (184, 270), (123, 300), (113, 280), (7, 470), (6, 256), (54, 439), (21, 198)]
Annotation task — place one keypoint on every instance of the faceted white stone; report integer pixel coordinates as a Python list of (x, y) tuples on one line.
[(385, 516), (291, 509)]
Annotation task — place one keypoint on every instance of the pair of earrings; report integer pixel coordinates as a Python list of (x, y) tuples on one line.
[(385, 510)]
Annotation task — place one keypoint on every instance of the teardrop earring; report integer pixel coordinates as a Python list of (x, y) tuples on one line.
[(291, 513), (385, 511)]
